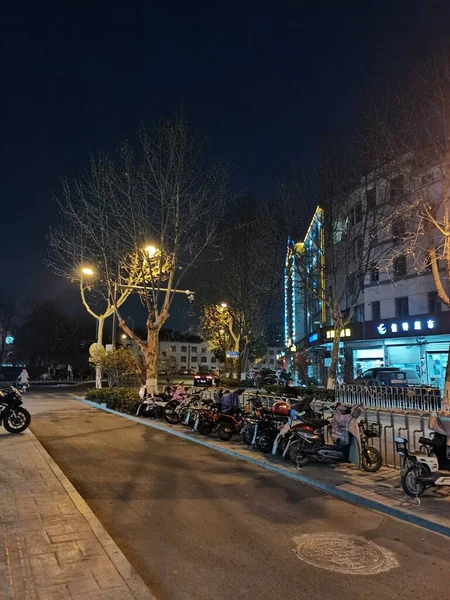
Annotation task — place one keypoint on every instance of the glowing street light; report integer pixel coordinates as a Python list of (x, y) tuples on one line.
[(151, 251), (124, 336), (224, 305), (87, 271)]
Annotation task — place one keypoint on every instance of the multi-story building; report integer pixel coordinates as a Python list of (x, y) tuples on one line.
[(398, 319), (186, 357)]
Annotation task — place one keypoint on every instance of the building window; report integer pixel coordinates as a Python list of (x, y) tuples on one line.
[(358, 213), (164, 353), (193, 348), (183, 359), (373, 232), (374, 274), (371, 198), (271, 361), (400, 266), (434, 304), (271, 352), (402, 306), (204, 359), (213, 359), (183, 348), (173, 348), (376, 311), (396, 189), (351, 281), (193, 359), (359, 313), (398, 230), (203, 350)]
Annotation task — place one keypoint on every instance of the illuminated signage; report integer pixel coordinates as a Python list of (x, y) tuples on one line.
[(9, 339), (344, 333), (313, 338), (405, 326)]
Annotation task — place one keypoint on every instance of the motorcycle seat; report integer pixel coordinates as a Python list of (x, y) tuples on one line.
[(317, 422), (426, 441)]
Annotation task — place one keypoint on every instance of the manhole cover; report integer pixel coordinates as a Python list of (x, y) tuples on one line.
[(344, 554)]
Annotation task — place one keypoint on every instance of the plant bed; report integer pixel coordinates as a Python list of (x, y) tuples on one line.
[(124, 400)]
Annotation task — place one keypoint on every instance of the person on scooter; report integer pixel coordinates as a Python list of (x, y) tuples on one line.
[(229, 403)]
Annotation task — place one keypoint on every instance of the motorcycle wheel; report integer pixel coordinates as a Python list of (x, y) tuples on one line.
[(371, 459), (205, 427), (296, 456), (170, 415), (265, 443), (17, 420), (247, 436), (182, 417), (225, 431), (409, 477)]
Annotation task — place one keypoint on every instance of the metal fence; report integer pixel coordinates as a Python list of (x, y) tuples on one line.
[(392, 398)]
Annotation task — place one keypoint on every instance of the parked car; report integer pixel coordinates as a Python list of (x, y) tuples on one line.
[(412, 377), (383, 376), (204, 378)]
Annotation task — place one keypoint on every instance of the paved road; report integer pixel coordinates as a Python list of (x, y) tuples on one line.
[(199, 525)]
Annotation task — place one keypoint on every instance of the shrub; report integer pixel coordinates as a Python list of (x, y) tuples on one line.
[(124, 400), (119, 366)]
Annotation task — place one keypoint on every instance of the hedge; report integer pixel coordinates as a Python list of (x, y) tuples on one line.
[(124, 400)]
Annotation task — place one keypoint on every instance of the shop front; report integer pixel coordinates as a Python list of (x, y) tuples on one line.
[(418, 344)]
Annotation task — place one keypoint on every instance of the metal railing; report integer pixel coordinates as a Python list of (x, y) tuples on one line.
[(392, 398)]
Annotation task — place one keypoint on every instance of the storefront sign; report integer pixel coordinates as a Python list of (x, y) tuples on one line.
[(413, 326), (344, 333), (313, 338), (232, 354)]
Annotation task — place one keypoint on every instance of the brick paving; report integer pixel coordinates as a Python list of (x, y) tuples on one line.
[(52, 546)]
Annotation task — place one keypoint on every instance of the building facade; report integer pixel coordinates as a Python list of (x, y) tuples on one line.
[(398, 320)]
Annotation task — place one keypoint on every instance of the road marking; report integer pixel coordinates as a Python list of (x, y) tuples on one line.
[(346, 554)]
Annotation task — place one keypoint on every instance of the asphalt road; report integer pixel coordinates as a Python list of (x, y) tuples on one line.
[(198, 525)]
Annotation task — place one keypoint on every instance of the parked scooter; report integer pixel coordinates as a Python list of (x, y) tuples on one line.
[(349, 441), (431, 465)]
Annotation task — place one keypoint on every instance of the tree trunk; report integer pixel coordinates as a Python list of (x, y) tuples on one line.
[(331, 382), (151, 362), (98, 368), (244, 363)]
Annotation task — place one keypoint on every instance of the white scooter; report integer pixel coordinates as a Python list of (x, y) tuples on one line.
[(431, 465)]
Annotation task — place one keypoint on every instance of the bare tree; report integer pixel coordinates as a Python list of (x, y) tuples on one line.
[(240, 292), (8, 314), (330, 270), (408, 130), (143, 222)]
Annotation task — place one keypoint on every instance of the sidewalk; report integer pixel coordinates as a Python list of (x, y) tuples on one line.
[(379, 491), (52, 546)]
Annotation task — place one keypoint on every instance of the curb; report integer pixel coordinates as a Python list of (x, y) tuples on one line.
[(135, 584), (345, 495)]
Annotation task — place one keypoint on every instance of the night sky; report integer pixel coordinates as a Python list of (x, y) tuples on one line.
[(268, 82)]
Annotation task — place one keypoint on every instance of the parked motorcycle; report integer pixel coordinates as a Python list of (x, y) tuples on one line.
[(260, 432), (15, 418), (350, 441), (431, 465)]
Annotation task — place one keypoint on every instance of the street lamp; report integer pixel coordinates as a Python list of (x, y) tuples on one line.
[(224, 305), (87, 271), (124, 336), (151, 251)]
